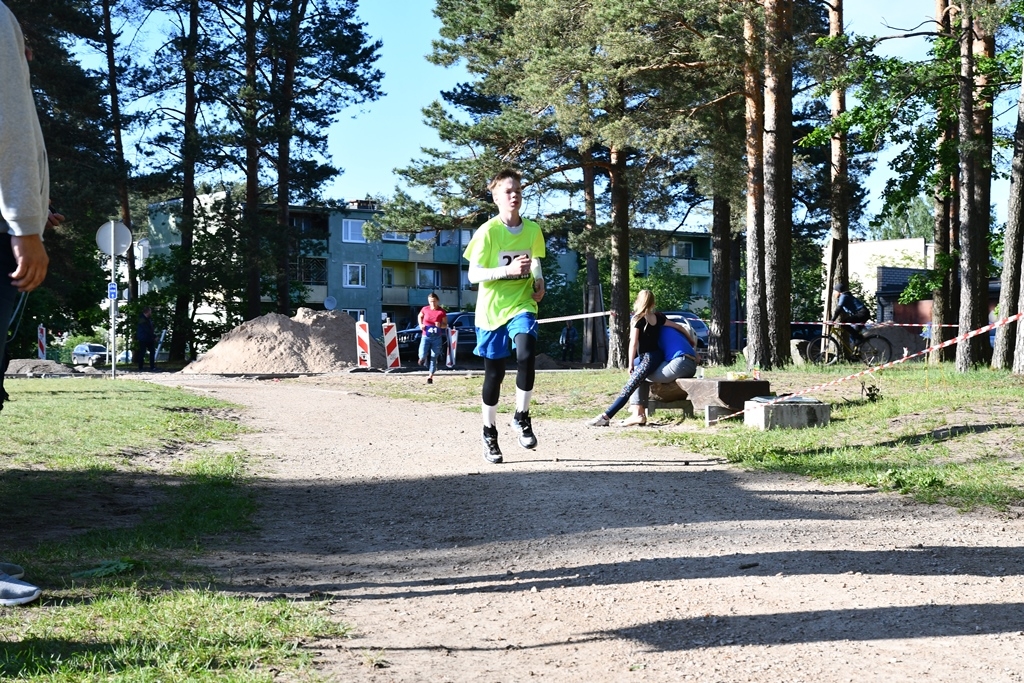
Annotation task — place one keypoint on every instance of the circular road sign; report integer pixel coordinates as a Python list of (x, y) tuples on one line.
[(122, 237)]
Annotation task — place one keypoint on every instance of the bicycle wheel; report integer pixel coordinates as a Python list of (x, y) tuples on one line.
[(875, 350), (823, 351)]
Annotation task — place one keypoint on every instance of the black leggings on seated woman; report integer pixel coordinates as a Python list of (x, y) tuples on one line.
[(643, 366)]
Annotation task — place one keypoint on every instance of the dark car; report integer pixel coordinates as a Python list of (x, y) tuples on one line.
[(465, 323)]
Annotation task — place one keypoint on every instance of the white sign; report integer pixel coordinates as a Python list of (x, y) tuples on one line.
[(113, 237)]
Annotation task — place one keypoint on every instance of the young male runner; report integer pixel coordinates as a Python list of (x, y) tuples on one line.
[(504, 258)]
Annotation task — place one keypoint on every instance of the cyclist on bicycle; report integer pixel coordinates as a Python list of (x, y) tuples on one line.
[(850, 309)]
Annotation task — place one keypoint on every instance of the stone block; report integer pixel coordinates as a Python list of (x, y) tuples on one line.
[(797, 412)]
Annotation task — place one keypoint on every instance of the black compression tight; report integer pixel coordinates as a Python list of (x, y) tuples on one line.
[(494, 370)]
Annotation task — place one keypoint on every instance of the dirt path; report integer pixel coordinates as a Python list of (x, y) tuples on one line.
[(597, 558)]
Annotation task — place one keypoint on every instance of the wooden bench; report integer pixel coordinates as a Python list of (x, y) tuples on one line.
[(695, 395)]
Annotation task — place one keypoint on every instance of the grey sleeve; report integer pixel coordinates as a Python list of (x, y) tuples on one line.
[(24, 175)]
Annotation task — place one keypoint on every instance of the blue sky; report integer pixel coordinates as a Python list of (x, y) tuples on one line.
[(380, 136)]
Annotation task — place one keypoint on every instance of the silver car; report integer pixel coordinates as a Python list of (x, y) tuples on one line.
[(89, 354)]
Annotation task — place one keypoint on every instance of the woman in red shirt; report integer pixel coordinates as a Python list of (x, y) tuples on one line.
[(433, 321)]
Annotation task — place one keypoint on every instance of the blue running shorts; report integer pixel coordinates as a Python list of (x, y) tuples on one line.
[(495, 344)]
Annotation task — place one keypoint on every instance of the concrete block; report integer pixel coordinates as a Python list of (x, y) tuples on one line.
[(683, 405), (713, 413), (797, 412)]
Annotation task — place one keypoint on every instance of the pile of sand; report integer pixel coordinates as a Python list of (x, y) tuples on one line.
[(312, 341), (36, 367)]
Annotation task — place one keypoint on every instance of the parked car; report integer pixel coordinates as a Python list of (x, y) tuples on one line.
[(89, 354), (464, 322)]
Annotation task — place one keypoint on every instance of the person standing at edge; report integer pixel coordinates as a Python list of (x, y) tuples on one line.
[(567, 340), (504, 259), (145, 335), (24, 213)]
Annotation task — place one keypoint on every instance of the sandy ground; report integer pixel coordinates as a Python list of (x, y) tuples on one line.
[(600, 558)]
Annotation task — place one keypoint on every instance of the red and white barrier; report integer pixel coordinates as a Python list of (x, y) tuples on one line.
[(453, 343), (362, 343), (956, 340), (391, 345), (41, 342)]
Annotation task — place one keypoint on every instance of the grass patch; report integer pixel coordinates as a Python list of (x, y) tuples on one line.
[(929, 432), (932, 433), (78, 424), (188, 635), (104, 472)]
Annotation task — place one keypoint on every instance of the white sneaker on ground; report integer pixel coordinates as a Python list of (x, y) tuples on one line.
[(14, 592), (599, 421)]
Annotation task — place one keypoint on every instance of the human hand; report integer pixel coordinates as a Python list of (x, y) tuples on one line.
[(54, 219), (32, 260), (538, 290), (519, 266)]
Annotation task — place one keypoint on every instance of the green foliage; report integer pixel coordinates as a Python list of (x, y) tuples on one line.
[(915, 221), (921, 285), (672, 290)]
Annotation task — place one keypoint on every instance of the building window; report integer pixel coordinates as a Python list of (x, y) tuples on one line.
[(428, 278), (355, 275), (446, 238), (394, 237), (309, 226), (682, 250), (387, 276), (352, 231), (356, 313), (308, 270)]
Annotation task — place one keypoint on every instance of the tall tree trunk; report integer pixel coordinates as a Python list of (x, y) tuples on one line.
[(778, 159), (757, 353), (182, 340), (839, 203), (942, 231), (721, 280), (253, 241), (968, 351), (286, 243), (984, 48), (1007, 341), (121, 178), (618, 351), (595, 340)]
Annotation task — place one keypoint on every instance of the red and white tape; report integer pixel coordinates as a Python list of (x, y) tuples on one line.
[(866, 325), (956, 340)]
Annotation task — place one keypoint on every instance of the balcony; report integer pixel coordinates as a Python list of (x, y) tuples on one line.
[(416, 297)]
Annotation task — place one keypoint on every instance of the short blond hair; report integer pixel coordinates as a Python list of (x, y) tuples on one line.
[(505, 174)]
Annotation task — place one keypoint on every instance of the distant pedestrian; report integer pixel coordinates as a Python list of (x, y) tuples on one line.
[(433, 324), (567, 341), (145, 338)]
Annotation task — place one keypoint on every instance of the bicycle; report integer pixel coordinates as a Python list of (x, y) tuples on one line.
[(829, 348)]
